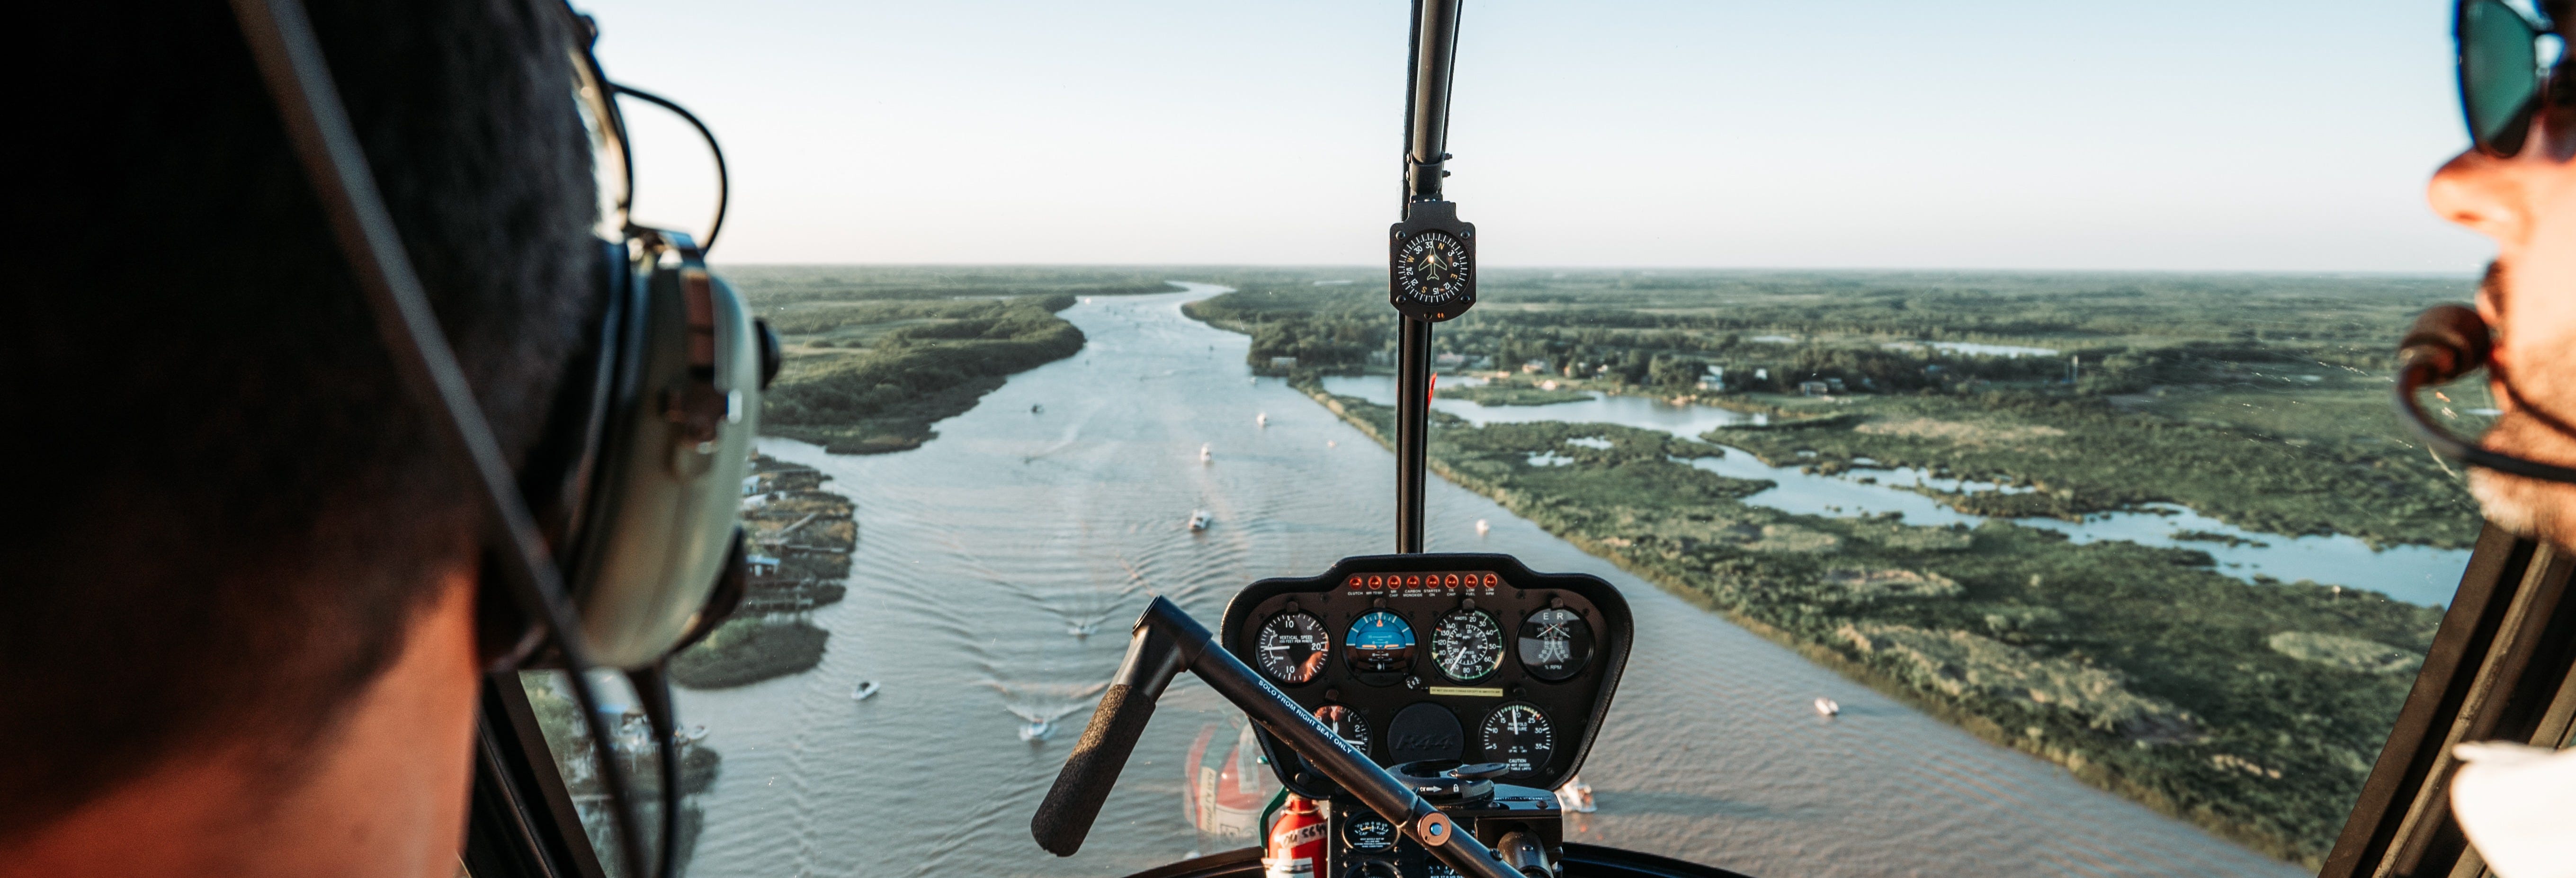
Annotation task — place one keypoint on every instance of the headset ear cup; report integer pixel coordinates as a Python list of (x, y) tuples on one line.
[(725, 599), (504, 636)]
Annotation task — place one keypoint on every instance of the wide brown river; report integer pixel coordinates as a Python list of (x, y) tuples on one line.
[(999, 564)]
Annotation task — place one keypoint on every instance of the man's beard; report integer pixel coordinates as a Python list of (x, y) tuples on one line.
[(2527, 506)]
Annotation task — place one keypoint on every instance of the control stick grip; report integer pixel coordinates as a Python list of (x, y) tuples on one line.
[(1064, 818)]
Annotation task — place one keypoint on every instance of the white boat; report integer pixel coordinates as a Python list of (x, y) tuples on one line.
[(1827, 707), (865, 690), (1199, 519), (1576, 796), (1261, 420), (1036, 731), (1206, 453), (1482, 527)]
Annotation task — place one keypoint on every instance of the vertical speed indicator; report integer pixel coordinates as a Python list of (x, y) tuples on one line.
[(1291, 647)]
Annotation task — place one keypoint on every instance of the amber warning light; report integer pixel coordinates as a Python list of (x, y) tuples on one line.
[(1421, 584)]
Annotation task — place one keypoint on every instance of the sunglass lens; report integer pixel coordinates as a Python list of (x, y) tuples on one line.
[(2499, 73)]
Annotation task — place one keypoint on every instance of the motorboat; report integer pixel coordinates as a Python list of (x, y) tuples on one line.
[(864, 690), (1482, 527), (1206, 453), (1199, 519), (1827, 707), (1261, 420), (1036, 731)]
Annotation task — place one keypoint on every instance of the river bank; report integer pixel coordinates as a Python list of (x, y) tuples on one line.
[(2139, 669), (800, 538)]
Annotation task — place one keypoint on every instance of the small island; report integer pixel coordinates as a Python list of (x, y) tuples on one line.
[(800, 537)]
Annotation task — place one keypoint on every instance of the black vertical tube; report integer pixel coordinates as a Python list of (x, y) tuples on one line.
[(1426, 101), (1426, 135), (1412, 431)]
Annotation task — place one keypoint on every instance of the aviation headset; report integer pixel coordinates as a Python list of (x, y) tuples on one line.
[(618, 542)]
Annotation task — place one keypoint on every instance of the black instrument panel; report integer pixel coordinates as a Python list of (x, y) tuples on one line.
[(1470, 657)]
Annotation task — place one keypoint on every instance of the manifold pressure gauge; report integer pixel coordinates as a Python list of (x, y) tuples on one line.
[(1431, 267)]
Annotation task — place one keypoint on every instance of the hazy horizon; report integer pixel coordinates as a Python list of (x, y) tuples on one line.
[(1985, 135)]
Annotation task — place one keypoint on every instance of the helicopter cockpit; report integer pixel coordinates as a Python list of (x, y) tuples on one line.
[(1427, 713)]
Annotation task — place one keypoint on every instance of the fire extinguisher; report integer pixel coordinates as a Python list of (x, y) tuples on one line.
[(1296, 846)]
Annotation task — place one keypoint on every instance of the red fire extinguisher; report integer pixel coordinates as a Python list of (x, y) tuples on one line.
[(1296, 846)]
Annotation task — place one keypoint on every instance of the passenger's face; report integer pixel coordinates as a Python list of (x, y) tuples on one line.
[(2527, 204)]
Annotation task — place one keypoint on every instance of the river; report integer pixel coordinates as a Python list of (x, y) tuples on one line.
[(1058, 505)]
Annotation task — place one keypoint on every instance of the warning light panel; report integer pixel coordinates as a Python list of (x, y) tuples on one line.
[(1421, 585)]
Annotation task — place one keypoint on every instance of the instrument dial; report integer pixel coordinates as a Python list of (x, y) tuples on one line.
[(1467, 644), (1346, 723), (1431, 268), (1555, 643), (1379, 642), (1520, 736), (1291, 647)]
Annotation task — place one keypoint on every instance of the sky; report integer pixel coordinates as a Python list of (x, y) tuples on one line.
[(2282, 135)]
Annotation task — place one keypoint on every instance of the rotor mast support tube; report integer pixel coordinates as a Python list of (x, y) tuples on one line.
[(1426, 136), (1412, 432), (1167, 640), (1426, 104)]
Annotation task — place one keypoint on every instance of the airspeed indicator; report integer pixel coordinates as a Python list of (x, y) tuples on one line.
[(1467, 645)]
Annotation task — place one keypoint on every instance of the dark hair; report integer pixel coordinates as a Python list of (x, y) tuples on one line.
[(225, 512)]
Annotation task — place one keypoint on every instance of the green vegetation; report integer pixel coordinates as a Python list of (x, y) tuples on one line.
[(2257, 400), (2252, 709), (875, 355), (745, 651), (870, 377), (1514, 394), (2084, 454), (2140, 669)]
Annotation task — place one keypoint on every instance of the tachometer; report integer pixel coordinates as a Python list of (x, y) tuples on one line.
[(1346, 723), (1555, 643), (1291, 647), (1467, 644), (1520, 736), (1379, 642)]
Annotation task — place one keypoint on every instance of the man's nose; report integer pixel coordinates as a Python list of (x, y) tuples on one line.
[(2482, 193)]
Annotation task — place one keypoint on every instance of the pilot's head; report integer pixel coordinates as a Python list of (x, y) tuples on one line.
[(238, 634), (2517, 185)]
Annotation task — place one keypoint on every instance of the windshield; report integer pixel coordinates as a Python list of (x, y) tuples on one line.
[(2048, 517)]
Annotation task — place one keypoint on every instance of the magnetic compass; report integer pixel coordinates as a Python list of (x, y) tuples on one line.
[(1431, 269)]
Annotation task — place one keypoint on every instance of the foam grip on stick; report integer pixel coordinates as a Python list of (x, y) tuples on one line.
[(1064, 819)]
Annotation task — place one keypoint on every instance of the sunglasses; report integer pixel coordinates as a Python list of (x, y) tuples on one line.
[(2501, 72)]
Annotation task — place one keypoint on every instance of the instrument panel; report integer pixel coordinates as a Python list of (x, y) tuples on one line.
[(1470, 657)]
